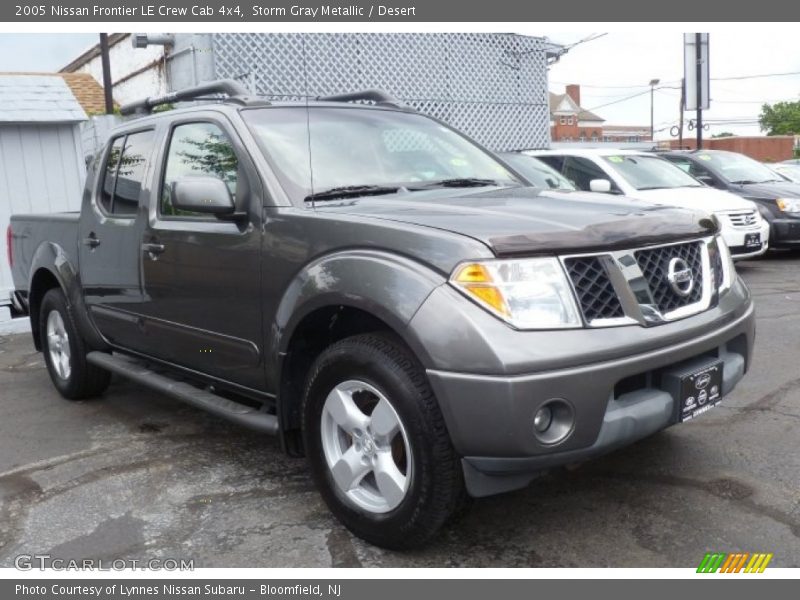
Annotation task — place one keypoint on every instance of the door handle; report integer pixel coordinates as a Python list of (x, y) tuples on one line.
[(153, 249), (91, 241)]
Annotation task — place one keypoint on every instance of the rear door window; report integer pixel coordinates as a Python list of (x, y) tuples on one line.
[(124, 174), (110, 174)]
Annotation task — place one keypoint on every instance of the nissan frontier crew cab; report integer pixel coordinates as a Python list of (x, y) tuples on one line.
[(387, 296)]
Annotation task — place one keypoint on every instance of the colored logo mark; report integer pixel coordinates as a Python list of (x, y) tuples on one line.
[(739, 562)]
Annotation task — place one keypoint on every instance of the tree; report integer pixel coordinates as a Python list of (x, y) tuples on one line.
[(722, 134), (781, 118)]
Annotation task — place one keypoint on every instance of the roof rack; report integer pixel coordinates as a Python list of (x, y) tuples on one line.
[(379, 97), (235, 91)]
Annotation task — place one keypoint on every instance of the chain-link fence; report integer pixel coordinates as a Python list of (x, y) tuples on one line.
[(491, 86)]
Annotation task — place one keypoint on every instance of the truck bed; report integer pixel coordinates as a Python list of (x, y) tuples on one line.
[(31, 231)]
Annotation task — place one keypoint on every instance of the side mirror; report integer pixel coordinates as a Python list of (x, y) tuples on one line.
[(705, 179), (602, 186), (203, 195)]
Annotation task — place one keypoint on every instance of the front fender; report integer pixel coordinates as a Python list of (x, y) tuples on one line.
[(388, 286)]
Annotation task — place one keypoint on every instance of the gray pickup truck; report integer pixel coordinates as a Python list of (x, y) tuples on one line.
[(391, 299)]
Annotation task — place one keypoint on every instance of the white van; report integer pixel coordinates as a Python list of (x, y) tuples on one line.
[(646, 176)]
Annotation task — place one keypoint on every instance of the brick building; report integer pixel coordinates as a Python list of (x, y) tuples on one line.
[(570, 122)]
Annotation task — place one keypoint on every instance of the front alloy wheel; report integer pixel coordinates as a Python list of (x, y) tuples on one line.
[(377, 444), (366, 446)]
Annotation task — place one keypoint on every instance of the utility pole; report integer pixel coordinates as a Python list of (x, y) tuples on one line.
[(699, 75), (683, 103), (109, 98), (653, 84)]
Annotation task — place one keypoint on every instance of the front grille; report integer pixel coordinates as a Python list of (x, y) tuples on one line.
[(743, 219), (595, 293), (654, 263)]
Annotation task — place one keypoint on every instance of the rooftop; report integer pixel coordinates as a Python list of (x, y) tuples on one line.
[(37, 99)]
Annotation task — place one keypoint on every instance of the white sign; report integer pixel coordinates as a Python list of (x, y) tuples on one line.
[(691, 59)]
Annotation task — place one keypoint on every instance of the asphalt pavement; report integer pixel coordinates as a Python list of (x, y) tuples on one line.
[(138, 475)]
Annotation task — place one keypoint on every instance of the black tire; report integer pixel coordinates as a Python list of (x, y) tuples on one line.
[(84, 380), (435, 490)]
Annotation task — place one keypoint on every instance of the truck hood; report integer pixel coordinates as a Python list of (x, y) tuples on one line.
[(697, 198), (515, 221)]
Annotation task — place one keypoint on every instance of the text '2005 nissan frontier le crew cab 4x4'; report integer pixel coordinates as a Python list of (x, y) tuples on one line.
[(394, 301)]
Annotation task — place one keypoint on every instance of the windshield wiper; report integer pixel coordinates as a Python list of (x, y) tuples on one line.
[(351, 191), (654, 187), (744, 182), (457, 182)]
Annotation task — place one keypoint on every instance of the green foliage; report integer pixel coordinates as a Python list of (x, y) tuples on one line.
[(781, 118), (722, 134)]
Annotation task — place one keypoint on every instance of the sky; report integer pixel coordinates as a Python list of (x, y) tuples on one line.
[(631, 59), (42, 52), (609, 69)]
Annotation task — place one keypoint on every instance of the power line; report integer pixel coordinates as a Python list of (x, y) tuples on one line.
[(614, 87), (738, 77), (626, 98)]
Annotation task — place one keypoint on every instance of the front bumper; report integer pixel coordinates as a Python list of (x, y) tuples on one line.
[(735, 239), (785, 233), (616, 399)]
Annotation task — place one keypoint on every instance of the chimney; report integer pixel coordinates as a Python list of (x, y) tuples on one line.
[(574, 92)]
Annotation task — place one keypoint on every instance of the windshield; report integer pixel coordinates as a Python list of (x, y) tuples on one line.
[(791, 172), (329, 152), (738, 168), (537, 172), (650, 172)]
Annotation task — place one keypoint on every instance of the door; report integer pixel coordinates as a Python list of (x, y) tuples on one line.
[(201, 273), (109, 235)]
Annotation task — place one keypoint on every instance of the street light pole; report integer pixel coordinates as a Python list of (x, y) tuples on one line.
[(653, 84)]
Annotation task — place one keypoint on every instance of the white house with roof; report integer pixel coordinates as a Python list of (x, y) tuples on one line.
[(41, 160)]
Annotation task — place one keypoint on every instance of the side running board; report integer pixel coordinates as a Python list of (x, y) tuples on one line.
[(204, 400)]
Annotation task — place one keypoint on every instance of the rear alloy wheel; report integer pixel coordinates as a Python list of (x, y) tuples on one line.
[(65, 351), (377, 443), (58, 345)]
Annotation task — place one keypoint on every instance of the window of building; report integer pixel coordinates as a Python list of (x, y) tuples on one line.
[(563, 120), (197, 150), (570, 120)]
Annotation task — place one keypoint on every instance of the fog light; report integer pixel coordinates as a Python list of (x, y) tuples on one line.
[(542, 419), (553, 421)]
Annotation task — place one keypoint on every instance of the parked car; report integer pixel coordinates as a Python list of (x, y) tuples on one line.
[(383, 294), (644, 176), (789, 171), (538, 173), (777, 199)]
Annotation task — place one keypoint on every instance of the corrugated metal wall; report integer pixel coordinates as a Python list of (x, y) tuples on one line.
[(491, 86), (41, 170)]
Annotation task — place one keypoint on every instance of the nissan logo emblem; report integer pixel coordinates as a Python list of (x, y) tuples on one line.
[(702, 381), (680, 277)]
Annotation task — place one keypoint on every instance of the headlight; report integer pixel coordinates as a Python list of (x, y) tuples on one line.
[(530, 293), (726, 260), (790, 205)]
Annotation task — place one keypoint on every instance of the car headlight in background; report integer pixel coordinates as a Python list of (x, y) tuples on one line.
[(728, 270), (790, 205), (531, 293)]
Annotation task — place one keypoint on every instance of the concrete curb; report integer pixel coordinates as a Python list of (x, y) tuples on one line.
[(19, 325)]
